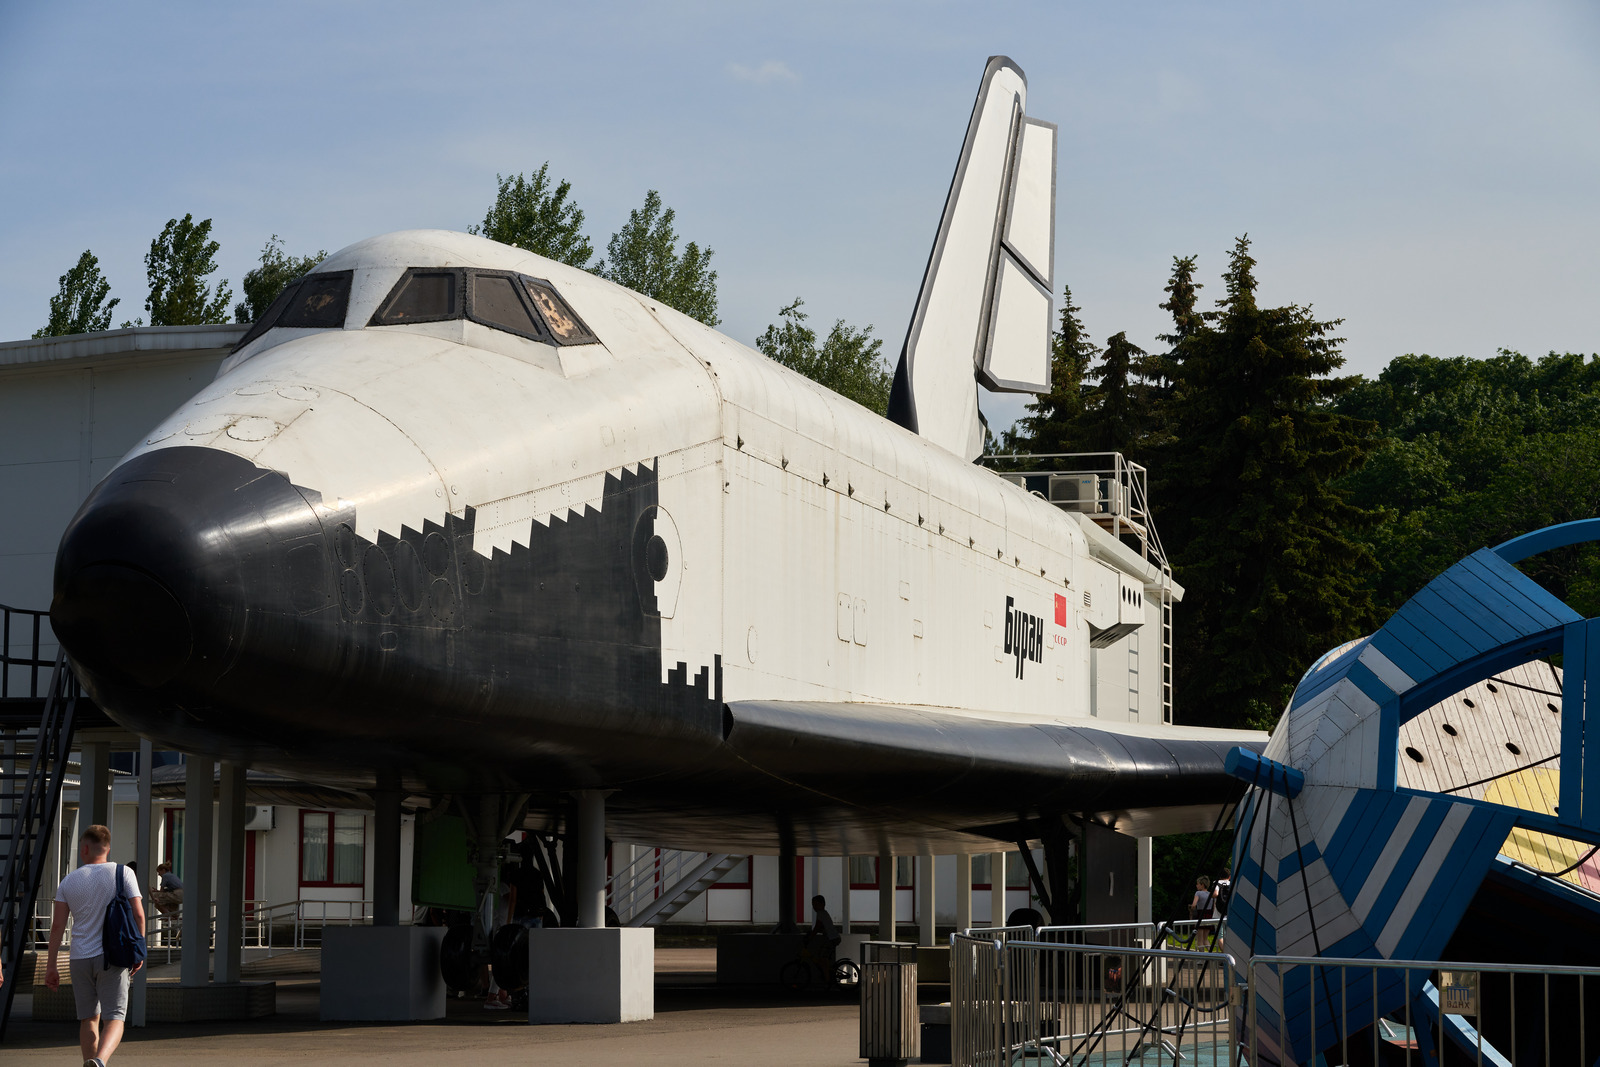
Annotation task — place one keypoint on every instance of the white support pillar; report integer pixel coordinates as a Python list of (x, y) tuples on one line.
[(927, 915), (591, 847), (997, 889), (198, 782), (844, 895), (230, 873), (886, 882), (94, 784), (144, 857), (963, 892), (1146, 878)]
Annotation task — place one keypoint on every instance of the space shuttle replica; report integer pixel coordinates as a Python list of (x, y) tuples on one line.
[(471, 522)]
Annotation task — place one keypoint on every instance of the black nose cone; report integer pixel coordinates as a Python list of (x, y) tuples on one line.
[(157, 572), (119, 619)]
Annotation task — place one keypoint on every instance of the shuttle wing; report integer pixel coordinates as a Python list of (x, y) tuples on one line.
[(984, 309), (930, 762)]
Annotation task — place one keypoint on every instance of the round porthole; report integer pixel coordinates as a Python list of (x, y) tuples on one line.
[(1553, 708), (1468, 702), (1447, 728), (1414, 754), (1513, 749), (1493, 688)]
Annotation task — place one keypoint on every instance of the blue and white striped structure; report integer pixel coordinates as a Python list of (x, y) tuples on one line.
[(1332, 857)]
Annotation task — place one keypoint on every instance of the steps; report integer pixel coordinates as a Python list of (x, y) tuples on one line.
[(30, 788)]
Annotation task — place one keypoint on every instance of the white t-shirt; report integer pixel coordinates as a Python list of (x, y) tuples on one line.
[(87, 891)]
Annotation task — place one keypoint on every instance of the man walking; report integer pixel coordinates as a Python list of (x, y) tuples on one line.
[(101, 990)]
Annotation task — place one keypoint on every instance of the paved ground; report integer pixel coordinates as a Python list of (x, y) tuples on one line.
[(696, 1023)]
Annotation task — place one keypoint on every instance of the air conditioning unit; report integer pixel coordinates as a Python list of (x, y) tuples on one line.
[(1076, 492), (260, 817)]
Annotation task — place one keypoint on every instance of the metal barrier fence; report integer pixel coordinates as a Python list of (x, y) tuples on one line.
[(283, 927), (1029, 1003), (1406, 1011)]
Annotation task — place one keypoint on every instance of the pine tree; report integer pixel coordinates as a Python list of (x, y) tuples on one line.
[(1053, 422), (1262, 537), (177, 265), (1117, 411), (263, 284), (80, 304), (643, 256), (528, 214)]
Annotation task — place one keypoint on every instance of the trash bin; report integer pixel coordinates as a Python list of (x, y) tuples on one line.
[(890, 1028)]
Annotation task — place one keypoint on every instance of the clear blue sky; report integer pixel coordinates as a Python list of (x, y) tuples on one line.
[(1426, 171)]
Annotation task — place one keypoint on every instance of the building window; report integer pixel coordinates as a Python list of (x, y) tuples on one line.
[(737, 878), (333, 848), (864, 872), (172, 843), (980, 871)]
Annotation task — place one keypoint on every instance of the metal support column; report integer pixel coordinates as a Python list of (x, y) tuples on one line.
[(386, 857), (886, 882), (1146, 877), (927, 916), (963, 891), (786, 880), (591, 858), (230, 873), (997, 889), (94, 785), (146, 875), (198, 781)]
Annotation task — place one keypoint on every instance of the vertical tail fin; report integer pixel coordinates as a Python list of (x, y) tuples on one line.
[(984, 311)]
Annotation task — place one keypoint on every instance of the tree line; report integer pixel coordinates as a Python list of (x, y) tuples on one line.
[(529, 211)]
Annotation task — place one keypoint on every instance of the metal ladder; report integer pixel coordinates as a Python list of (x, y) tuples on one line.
[(29, 799)]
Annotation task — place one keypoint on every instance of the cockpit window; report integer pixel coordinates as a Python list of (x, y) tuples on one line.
[(320, 302), (422, 296), (265, 322), (563, 323), (515, 303), (495, 303)]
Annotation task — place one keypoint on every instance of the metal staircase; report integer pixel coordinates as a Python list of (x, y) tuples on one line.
[(36, 724), (657, 885)]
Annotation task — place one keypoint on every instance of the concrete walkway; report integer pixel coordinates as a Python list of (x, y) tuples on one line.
[(696, 1023)]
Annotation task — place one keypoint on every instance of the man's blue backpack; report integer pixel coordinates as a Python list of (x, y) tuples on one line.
[(120, 938)]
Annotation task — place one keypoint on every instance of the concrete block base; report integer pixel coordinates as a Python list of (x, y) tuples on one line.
[(755, 959), (590, 975), (382, 973)]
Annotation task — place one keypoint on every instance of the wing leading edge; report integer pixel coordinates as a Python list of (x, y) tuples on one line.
[(939, 765)]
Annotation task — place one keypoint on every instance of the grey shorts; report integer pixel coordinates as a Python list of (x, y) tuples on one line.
[(99, 990)]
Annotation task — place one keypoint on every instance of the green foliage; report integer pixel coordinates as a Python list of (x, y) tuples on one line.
[(643, 256), (1474, 452), (1260, 532), (263, 284), (1118, 413), (1176, 860), (527, 213), (178, 263), (80, 305), (849, 361)]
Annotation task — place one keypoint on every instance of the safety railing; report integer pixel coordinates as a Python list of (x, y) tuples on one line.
[(282, 927), (1406, 1011), (654, 872), (1039, 1003), (23, 670)]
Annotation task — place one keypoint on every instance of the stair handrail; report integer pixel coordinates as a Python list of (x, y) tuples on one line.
[(33, 662), (34, 820)]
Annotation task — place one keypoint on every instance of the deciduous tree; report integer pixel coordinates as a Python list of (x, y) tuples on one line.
[(80, 305), (179, 261), (644, 257), (527, 213), (849, 361), (262, 284)]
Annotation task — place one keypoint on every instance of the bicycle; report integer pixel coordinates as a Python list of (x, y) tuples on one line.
[(814, 966)]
